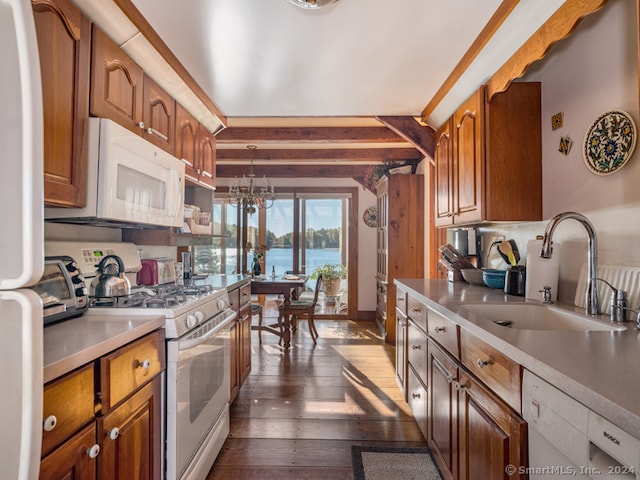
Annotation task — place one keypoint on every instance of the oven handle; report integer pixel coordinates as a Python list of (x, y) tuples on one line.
[(194, 342)]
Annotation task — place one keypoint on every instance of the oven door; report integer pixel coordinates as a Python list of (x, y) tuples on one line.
[(198, 389)]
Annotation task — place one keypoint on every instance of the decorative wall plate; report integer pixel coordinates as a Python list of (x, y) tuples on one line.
[(370, 216), (609, 142)]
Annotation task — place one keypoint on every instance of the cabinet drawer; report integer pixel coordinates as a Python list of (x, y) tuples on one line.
[(130, 367), (498, 372), (68, 404), (417, 311), (401, 300), (234, 298), (417, 350), (417, 399), (445, 332), (245, 295), (71, 459)]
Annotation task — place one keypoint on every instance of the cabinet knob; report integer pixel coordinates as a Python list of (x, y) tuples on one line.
[(440, 329), (415, 347), (50, 423), (415, 395), (141, 125), (415, 310), (458, 386), (94, 451), (482, 363), (113, 433), (144, 364)]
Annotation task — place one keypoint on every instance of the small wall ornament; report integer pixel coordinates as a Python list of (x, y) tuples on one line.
[(609, 142)]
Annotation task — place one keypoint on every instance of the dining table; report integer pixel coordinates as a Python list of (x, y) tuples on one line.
[(280, 285)]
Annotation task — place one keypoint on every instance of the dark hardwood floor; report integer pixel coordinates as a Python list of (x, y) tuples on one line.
[(298, 413)]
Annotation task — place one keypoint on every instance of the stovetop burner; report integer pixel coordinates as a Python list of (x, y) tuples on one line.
[(161, 296)]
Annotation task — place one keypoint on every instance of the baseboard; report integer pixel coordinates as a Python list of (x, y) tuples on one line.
[(366, 314)]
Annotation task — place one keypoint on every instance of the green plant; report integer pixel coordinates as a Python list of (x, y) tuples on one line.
[(330, 271)]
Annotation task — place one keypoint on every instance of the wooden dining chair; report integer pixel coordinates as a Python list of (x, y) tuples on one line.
[(305, 309)]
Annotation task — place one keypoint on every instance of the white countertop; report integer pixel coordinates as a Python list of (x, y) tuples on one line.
[(75, 342), (598, 368)]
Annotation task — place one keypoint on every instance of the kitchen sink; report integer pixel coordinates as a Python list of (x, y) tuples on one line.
[(534, 316)]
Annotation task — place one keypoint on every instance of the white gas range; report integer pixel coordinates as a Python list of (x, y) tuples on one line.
[(198, 319)]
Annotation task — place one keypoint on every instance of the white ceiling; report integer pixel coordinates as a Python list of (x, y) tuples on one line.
[(268, 58)]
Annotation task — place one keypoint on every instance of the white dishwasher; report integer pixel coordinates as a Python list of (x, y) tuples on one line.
[(566, 439)]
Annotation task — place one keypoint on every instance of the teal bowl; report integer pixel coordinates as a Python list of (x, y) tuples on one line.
[(494, 278)]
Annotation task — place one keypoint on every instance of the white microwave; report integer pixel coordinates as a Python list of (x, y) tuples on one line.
[(131, 182)]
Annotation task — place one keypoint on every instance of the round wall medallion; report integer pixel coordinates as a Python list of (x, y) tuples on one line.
[(370, 216), (609, 142)]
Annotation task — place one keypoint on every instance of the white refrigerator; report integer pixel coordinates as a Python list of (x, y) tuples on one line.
[(21, 243)]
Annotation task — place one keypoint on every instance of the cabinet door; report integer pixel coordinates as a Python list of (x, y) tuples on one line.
[(443, 416), (158, 116), (116, 83), (186, 142), (401, 351), (492, 435), (234, 333), (72, 460), (130, 437), (468, 159), (64, 44), (417, 398), (245, 343), (206, 166), (444, 175)]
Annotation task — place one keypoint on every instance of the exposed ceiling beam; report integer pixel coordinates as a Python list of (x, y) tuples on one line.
[(422, 137), (331, 155), (294, 171), (320, 135)]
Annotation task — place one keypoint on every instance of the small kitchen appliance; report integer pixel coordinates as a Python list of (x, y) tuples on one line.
[(157, 271), (62, 290)]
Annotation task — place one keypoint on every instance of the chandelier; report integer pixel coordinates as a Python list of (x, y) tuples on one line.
[(312, 3), (248, 194)]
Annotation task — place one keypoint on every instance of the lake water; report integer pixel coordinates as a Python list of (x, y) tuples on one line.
[(282, 259)]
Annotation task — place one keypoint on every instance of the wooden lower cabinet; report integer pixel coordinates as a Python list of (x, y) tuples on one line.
[(71, 461), (118, 438), (401, 351), (240, 337), (442, 433), (417, 397), (492, 435), (472, 433), (130, 437)]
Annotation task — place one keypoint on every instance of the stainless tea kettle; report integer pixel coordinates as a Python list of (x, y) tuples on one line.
[(109, 282)]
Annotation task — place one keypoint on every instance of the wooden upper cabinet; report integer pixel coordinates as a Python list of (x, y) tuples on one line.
[(116, 84), (186, 141), (444, 174), (159, 116), (196, 147), (496, 158), (206, 158), (64, 44)]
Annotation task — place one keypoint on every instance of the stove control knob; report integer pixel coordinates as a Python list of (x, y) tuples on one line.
[(222, 304), (191, 321), (199, 316)]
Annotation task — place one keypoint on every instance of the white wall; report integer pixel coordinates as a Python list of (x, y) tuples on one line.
[(592, 72)]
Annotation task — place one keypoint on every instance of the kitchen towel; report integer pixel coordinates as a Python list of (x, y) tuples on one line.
[(542, 271)]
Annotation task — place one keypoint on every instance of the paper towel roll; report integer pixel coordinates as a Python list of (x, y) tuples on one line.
[(542, 271)]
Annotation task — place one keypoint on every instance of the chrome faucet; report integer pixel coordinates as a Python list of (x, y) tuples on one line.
[(591, 297)]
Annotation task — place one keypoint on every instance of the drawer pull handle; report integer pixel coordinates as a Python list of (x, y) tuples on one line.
[(94, 451), (400, 299), (415, 395), (415, 310), (416, 347), (113, 433), (50, 423), (482, 363), (144, 364), (458, 386), (440, 329)]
